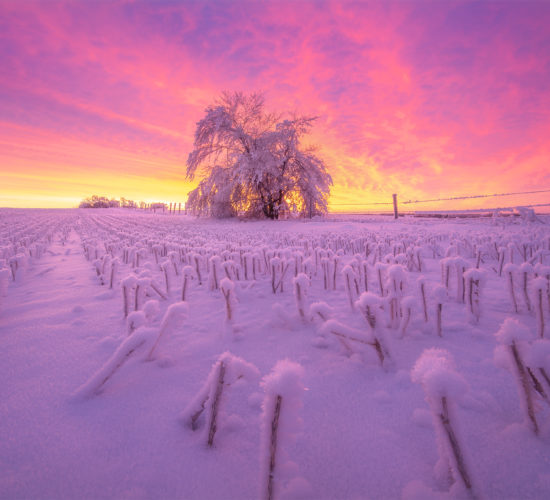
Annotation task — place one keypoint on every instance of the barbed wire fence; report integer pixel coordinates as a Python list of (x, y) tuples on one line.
[(393, 206)]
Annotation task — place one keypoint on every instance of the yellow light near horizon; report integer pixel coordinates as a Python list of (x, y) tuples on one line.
[(27, 200), (57, 185), (45, 170)]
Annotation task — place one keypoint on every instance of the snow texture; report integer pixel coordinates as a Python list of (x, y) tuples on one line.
[(436, 372), (367, 431), (281, 422), (206, 410), (443, 386), (135, 343), (512, 330), (172, 320)]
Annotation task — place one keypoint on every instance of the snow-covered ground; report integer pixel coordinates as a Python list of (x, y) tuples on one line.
[(305, 385)]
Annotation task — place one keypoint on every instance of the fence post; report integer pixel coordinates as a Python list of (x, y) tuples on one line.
[(395, 214)]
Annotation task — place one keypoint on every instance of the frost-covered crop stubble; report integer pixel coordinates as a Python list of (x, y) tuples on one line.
[(353, 303)]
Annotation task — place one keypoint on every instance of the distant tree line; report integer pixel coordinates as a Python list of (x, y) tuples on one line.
[(104, 202)]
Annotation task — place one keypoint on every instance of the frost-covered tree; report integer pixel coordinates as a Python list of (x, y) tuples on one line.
[(253, 161)]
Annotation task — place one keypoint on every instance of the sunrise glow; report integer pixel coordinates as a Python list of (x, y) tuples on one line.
[(423, 99)]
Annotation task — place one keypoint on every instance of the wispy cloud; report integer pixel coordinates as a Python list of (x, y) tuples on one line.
[(423, 99)]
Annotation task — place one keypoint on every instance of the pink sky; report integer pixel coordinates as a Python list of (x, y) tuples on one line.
[(425, 99)]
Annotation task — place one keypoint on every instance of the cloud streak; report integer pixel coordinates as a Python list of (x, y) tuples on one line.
[(424, 99)]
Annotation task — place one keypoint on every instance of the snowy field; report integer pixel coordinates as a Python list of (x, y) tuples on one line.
[(360, 359)]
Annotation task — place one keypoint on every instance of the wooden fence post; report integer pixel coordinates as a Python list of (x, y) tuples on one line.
[(395, 214)]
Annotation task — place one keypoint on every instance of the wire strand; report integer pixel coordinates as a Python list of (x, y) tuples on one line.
[(475, 196), (452, 198), (473, 210)]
